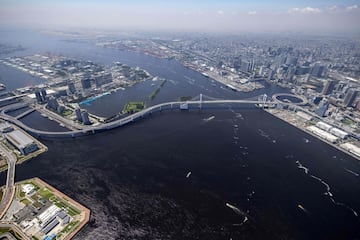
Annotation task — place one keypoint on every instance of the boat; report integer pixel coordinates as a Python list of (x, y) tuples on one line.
[(2, 87), (205, 74)]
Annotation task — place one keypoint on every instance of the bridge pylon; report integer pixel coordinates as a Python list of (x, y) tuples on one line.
[(200, 101)]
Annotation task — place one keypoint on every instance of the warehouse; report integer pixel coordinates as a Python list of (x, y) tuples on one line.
[(21, 141), (323, 126), (323, 134), (339, 133)]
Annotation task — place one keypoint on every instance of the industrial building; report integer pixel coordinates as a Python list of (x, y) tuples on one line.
[(332, 130), (322, 134), (21, 141), (323, 126), (339, 133)]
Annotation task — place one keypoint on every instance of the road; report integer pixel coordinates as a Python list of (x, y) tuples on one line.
[(14, 227), (10, 180), (118, 123)]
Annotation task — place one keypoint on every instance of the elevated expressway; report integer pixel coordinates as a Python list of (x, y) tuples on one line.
[(84, 130), (9, 191)]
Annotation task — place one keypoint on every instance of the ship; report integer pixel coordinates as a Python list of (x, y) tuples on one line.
[(2, 87), (205, 74)]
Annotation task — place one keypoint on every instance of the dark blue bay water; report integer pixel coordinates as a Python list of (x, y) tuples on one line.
[(134, 179)]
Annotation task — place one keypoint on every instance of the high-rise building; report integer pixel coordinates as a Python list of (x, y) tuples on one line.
[(358, 105), (43, 94), (302, 70), (60, 109), (350, 97), (247, 66), (38, 96), (317, 70), (103, 79), (271, 75), (290, 60), (317, 100), (321, 111), (71, 87), (262, 70), (85, 83), (85, 117), (328, 87), (78, 114), (52, 103)]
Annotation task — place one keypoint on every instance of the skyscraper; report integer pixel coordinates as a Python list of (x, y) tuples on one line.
[(85, 117), (290, 60), (328, 87), (350, 97), (52, 103), (71, 87), (317, 70), (43, 94), (321, 111), (78, 114), (38, 96), (85, 83)]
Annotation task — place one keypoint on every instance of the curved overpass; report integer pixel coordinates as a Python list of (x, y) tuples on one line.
[(118, 123)]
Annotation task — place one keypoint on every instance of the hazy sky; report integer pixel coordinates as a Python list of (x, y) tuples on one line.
[(188, 15)]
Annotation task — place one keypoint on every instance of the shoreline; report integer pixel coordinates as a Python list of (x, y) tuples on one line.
[(317, 137)]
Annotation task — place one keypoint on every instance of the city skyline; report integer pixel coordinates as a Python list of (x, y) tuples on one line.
[(206, 16)]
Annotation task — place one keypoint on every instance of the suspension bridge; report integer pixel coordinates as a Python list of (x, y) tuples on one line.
[(198, 102)]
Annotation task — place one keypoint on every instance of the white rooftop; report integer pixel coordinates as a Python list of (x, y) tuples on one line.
[(20, 139)]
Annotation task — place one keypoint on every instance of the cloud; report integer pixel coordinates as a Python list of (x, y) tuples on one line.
[(332, 8), (353, 7), (252, 12), (220, 12), (305, 10)]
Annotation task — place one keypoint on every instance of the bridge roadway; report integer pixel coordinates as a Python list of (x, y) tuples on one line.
[(118, 123), (25, 113), (9, 187)]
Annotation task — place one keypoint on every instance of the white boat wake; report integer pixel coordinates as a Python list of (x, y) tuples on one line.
[(328, 188)]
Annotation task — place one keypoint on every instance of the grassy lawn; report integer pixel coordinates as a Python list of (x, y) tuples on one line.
[(157, 90), (185, 98), (348, 122), (70, 227), (4, 230), (22, 194), (25, 201), (67, 112), (72, 211), (132, 107), (45, 193)]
